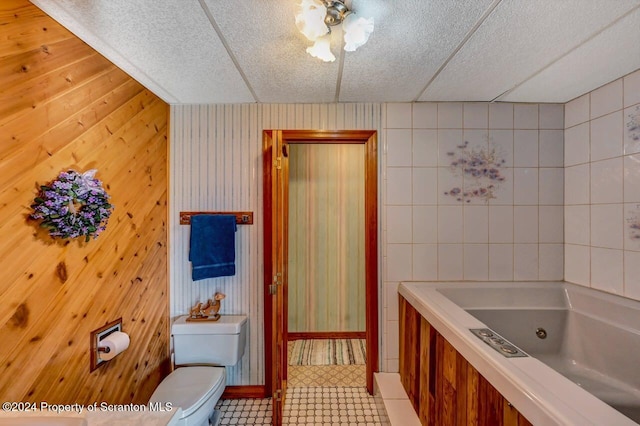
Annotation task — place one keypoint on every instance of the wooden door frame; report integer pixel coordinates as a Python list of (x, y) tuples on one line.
[(369, 139)]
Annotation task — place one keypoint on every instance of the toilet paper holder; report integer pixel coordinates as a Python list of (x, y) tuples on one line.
[(96, 337)]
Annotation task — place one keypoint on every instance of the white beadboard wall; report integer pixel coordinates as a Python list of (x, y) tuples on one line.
[(216, 165)]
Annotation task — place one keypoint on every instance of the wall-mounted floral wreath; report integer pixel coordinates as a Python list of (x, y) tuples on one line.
[(73, 205)]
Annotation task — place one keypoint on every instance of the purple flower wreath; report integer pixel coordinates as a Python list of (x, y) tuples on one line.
[(73, 205)]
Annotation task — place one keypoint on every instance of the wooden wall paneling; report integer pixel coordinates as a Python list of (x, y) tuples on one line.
[(423, 369), (402, 333), (473, 402), (20, 98), (122, 179), (41, 151), (410, 361), (95, 268), (438, 380), (65, 106), (509, 415), (461, 389), (522, 421), (450, 390), (42, 59), (449, 381), (413, 331), (490, 404), (42, 116), (29, 32)]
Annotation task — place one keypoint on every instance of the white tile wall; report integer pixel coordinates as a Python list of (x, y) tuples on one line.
[(606, 136), (432, 236), (631, 85), (631, 139), (602, 192), (549, 267), (551, 148), (606, 99), (606, 181), (476, 115)]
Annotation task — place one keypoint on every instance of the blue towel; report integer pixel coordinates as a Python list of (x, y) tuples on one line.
[(212, 249)]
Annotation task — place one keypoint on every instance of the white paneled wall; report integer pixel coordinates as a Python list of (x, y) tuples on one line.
[(428, 234), (602, 187), (216, 165)]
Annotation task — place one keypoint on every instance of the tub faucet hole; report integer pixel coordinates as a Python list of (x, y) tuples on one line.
[(541, 333)]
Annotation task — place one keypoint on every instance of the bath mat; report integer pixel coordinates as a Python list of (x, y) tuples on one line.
[(327, 352)]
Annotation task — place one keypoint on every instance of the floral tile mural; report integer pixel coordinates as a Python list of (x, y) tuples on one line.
[(633, 220), (634, 223), (633, 125), (480, 169)]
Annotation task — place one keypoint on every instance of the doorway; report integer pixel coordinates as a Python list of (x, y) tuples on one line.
[(326, 279), (276, 211)]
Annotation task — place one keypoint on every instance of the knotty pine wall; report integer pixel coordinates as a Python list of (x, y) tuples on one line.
[(62, 105)]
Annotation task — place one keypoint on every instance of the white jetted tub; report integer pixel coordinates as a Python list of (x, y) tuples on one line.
[(577, 350)]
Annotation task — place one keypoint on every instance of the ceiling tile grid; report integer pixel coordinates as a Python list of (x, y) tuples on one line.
[(410, 41), (171, 43), (587, 67), (272, 53), (216, 51), (519, 38)]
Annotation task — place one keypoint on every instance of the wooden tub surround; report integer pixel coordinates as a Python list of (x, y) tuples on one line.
[(442, 386), (64, 106)]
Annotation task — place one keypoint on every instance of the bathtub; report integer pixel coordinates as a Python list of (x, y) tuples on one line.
[(578, 350)]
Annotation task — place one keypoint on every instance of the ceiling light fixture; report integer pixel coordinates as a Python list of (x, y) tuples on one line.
[(315, 18)]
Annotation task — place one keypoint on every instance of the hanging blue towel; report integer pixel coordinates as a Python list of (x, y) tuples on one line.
[(212, 249)]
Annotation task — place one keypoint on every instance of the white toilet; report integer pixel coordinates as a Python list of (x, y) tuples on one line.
[(201, 350)]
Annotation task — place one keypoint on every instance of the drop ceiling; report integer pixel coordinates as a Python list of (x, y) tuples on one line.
[(220, 51)]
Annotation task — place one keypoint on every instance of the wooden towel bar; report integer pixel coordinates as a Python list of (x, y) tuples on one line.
[(242, 218)]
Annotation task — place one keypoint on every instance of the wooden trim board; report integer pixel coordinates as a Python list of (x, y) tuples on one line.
[(242, 392), (307, 335)]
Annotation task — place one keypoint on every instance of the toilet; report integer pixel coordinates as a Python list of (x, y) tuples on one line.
[(202, 349)]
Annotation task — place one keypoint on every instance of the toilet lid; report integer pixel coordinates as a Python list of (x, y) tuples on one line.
[(189, 387)]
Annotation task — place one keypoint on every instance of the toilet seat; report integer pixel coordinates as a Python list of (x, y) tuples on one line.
[(190, 387)]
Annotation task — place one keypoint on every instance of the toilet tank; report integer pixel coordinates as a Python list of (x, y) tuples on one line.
[(219, 342)]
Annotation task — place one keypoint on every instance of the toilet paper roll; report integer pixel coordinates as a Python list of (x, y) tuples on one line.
[(116, 342)]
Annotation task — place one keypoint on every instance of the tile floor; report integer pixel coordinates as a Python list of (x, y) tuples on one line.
[(245, 411), (327, 375), (316, 395), (343, 406)]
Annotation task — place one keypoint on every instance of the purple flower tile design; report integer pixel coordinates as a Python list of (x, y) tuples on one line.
[(634, 223), (480, 170), (633, 125)]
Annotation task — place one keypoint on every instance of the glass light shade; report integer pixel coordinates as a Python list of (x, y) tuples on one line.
[(310, 19), (356, 31), (322, 49)]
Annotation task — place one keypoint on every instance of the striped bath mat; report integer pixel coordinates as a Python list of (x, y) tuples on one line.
[(327, 352)]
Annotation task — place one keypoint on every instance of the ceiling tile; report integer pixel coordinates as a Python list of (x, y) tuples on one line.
[(589, 66), (408, 45), (525, 46), (272, 52), (516, 40), (161, 43)]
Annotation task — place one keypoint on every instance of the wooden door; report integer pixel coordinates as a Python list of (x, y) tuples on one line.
[(276, 217), (275, 203)]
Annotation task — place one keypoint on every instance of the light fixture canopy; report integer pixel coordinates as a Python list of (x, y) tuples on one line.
[(314, 19)]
